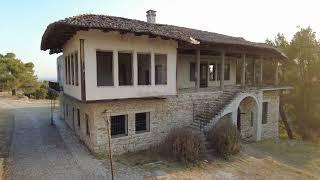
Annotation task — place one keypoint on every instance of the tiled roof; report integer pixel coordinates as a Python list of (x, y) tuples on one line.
[(59, 32)]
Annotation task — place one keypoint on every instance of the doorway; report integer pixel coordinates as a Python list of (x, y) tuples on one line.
[(203, 75), (239, 120)]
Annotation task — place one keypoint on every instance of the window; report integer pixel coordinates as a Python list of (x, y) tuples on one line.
[(192, 71), (69, 70), (144, 68), (212, 72), (87, 124), (160, 69), (227, 72), (125, 69), (76, 69), (78, 116), (264, 112), (142, 122), (66, 69), (72, 69), (251, 118), (67, 110), (119, 125), (73, 117), (104, 68)]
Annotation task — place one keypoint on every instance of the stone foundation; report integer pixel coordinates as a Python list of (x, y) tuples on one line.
[(165, 114)]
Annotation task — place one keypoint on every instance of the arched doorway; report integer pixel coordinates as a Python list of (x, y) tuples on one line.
[(247, 117)]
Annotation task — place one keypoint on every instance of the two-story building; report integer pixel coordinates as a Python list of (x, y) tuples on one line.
[(148, 78)]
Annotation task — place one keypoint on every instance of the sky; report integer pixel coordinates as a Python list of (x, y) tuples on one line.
[(23, 22)]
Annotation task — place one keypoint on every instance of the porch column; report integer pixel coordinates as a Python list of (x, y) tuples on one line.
[(276, 82), (258, 125), (198, 70), (135, 68), (261, 71), (222, 70), (115, 68), (243, 77)]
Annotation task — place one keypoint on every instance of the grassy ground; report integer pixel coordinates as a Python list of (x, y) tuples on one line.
[(301, 155), (6, 127)]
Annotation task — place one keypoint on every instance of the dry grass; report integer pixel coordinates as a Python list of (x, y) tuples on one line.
[(6, 128), (298, 154)]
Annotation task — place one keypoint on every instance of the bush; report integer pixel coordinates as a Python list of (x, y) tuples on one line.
[(224, 138), (182, 145)]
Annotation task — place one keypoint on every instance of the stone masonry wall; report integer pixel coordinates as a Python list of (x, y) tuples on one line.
[(271, 128), (165, 114)]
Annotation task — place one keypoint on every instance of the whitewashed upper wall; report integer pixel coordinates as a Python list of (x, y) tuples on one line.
[(183, 71), (113, 41), (72, 46)]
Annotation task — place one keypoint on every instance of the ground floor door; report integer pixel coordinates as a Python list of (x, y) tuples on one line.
[(203, 75)]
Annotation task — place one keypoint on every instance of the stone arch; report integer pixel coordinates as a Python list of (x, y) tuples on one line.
[(247, 105)]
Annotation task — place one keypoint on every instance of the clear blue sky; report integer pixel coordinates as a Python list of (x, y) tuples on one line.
[(23, 22)]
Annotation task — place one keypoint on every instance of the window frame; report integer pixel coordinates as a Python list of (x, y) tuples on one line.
[(147, 123), (166, 69), (72, 69), (112, 69), (87, 124), (142, 53), (76, 68), (192, 71), (214, 71), (132, 69), (265, 109), (78, 117)]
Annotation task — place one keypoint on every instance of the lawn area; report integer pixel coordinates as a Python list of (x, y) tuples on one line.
[(301, 155)]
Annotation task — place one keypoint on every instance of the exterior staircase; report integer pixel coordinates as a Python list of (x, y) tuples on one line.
[(206, 111)]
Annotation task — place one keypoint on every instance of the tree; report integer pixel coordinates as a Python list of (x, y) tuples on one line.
[(302, 72), (15, 75)]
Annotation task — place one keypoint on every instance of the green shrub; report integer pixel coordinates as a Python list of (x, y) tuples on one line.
[(182, 144), (224, 138)]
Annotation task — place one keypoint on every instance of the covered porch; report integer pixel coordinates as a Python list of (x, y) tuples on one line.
[(215, 68)]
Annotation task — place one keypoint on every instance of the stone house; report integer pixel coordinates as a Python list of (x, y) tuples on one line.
[(147, 78)]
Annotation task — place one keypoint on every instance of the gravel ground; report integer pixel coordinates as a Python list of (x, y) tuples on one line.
[(42, 151)]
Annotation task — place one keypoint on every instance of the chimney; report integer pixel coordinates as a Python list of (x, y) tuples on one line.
[(151, 16)]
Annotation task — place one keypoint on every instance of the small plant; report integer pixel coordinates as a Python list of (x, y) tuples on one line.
[(224, 138), (182, 145)]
